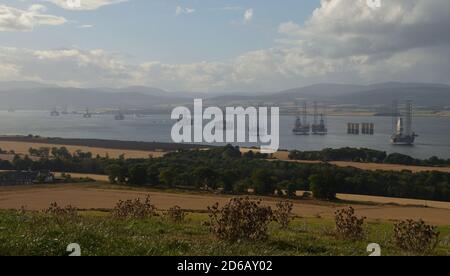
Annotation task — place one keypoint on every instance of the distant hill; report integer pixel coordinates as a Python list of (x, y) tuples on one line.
[(309, 93), (151, 91), (432, 95), (31, 95), (75, 98), (318, 91), (421, 95), (14, 85)]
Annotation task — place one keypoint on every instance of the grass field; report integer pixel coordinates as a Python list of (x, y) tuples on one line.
[(100, 234)]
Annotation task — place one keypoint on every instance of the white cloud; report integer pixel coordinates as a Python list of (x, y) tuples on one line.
[(84, 4), (337, 29), (62, 66), (180, 10), (248, 15), (9, 71), (393, 42), (13, 19), (404, 40), (252, 71)]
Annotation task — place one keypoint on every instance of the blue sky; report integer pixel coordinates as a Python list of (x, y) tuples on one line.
[(224, 45), (151, 30)]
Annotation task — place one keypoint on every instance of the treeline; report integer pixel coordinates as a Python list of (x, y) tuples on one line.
[(6, 152), (57, 159), (365, 155), (226, 169), (58, 153)]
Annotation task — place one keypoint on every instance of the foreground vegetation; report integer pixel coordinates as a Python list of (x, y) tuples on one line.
[(227, 170), (136, 228)]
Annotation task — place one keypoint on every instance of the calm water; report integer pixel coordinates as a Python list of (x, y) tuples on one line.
[(434, 133)]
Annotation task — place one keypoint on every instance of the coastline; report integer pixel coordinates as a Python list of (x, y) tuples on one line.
[(330, 112)]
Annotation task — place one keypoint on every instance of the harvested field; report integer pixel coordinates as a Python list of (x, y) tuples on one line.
[(7, 157), (38, 198), (394, 201), (107, 144), (23, 147), (96, 177)]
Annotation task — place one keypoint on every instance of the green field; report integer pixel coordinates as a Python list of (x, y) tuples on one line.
[(100, 234)]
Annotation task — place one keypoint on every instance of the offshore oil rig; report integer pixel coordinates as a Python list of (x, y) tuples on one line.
[(302, 126), (65, 110), (119, 116), (54, 112), (319, 126), (87, 114), (402, 125)]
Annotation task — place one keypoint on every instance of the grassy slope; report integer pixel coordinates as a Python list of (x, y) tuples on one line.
[(98, 234)]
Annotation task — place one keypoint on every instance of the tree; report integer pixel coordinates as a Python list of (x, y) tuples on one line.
[(61, 153), (397, 158), (166, 177), (292, 190), (282, 187), (228, 179), (323, 186), (22, 164), (116, 173), (137, 175), (263, 182), (153, 175), (82, 155), (42, 152), (241, 187), (205, 177), (231, 152)]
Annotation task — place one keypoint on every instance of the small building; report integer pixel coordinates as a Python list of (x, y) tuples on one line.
[(15, 178)]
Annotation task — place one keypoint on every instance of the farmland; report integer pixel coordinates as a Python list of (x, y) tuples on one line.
[(99, 233), (196, 180), (104, 197)]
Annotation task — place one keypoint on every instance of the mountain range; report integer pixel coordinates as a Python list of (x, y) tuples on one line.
[(33, 95)]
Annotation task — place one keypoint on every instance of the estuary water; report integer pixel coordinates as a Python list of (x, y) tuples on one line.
[(433, 140)]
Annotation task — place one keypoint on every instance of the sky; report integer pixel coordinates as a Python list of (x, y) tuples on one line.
[(223, 45)]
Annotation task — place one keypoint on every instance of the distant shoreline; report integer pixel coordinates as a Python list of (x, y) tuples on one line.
[(331, 113)]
